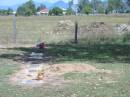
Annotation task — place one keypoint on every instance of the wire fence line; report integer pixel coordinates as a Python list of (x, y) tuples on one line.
[(58, 29), (15, 30)]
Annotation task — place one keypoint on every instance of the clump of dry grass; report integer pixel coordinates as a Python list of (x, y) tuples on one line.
[(97, 32)]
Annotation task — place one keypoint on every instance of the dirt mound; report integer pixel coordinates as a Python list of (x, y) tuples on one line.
[(64, 26), (97, 31), (99, 27), (52, 73), (65, 68), (65, 23)]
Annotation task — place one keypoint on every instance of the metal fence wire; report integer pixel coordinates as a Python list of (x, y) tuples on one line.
[(57, 29)]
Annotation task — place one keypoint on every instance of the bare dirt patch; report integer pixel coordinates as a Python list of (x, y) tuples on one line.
[(65, 68), (52, 74)]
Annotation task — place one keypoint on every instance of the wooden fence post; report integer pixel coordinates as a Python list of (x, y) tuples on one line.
[(14, 28), (76, 33)]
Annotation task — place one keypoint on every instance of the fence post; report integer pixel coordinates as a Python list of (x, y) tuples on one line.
[(76, 32), (14, 28)]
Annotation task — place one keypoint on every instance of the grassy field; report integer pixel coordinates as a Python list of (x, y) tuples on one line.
[(115, 84), (31, 29), (114, 57)]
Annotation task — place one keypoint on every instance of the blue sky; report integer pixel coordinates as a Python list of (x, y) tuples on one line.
[(14, 2)]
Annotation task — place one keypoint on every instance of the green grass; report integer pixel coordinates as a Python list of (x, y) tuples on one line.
[(31, 29), (82, 85), (89, 84), (110, 56)]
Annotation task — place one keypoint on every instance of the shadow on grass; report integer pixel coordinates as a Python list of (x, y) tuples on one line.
[(102, 53)]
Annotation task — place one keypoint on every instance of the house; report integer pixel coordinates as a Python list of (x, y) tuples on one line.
[(43, 12)]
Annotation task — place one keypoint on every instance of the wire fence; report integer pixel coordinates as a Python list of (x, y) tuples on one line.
[(59, 29), (31, 30)]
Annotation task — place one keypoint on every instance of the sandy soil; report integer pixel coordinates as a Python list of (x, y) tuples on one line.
[(52, 74)]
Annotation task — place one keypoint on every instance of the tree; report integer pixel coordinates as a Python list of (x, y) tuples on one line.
[(82, 4), (128, 3), (87, 9), (6, 12), (70, 4), (69, 11), (56, 11), (42, 6), (27, 9), (115, 5), (9, 11), (3, 12), (96, 4), (101, 8)]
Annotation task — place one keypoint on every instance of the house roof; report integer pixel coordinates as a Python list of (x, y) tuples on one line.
[(44, 11)]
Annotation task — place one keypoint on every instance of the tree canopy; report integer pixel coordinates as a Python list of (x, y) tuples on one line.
[(27, 9), (56, 11), (42, 6), (6, 12)]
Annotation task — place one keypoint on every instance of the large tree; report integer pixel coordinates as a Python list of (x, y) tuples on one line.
[(27, 9), (56, 11), (82, 4), (115, 5), (42, 6), (128, 3), (97, 5), (70, 4)]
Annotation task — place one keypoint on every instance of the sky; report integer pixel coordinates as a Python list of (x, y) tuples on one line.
[(14, 2)]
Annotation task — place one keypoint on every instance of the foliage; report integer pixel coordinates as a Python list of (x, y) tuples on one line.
[(82, 4), (42, 6), (56, 11), (115, 5), (95, 4), (27, 9), (87, 9), (6, 12), (128, 2), (69, 11), (70, 4), (101, 9), (100, 6)]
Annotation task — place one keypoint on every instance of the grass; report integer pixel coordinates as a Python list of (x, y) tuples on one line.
[(89, 84), (110, 56), (31, 29), (83, 84)]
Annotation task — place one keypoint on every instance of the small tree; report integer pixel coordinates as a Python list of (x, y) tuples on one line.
[(87, 9), (56, 11)]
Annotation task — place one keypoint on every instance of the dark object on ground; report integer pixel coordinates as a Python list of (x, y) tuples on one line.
[(41, 45)]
